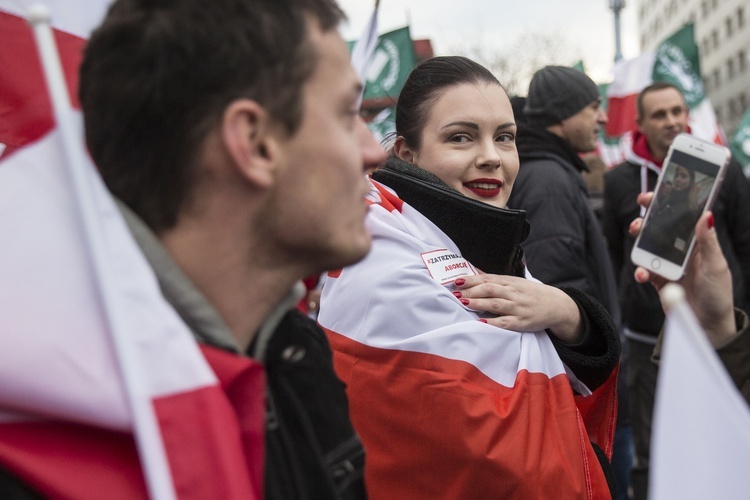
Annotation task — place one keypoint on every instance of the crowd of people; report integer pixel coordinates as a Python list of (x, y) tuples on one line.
[(468, 339)]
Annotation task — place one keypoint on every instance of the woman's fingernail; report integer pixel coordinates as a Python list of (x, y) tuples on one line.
[(710, 221), (460, 281), (457, 294), (482, 320), (465, 302)]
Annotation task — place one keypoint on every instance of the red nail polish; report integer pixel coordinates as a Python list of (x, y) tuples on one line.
[(457, 294), (465, 302), (482, 320), (711, 221), (460, 281)]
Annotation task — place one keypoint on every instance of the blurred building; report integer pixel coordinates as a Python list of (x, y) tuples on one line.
[(722, 32)]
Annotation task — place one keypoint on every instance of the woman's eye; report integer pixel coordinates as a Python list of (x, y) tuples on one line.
[(505, 138), (459, 138)]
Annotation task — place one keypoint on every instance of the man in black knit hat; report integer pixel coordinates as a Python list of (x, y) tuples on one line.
[(560, 119)]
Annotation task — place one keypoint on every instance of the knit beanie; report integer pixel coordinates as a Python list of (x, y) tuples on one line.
[(557, 93)]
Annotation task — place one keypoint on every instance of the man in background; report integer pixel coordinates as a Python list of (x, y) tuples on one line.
[(661, 115)]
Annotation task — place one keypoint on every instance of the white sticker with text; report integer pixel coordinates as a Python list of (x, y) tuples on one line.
[(445, 266)]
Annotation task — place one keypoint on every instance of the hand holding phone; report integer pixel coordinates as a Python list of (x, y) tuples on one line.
[(687, 187), (707, 281)]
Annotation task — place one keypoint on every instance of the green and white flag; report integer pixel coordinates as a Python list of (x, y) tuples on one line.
[(383, 126), (740, 144), (675, 61), (390, 65)]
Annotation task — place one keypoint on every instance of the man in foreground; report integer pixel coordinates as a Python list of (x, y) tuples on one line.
[(229, 132)]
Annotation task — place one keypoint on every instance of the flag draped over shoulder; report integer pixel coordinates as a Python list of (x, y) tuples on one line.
[(701, 438), (675, 61), (448, 406), (66, 424)]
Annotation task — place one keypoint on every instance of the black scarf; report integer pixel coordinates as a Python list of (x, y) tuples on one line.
[(488, 237)]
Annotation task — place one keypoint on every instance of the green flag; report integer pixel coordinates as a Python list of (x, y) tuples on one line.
[(384, 124), (677, 62), (740, 144), (389, 66)]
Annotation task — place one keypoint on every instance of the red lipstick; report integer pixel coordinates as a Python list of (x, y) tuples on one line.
[(486, 188)]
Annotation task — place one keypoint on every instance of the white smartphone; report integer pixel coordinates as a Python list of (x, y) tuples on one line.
[(688, 185)]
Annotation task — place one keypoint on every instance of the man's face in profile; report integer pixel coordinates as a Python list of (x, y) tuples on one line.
[(320, 207)]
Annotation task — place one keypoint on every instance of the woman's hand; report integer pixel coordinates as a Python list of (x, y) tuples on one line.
[(707, 281), (522, 305)]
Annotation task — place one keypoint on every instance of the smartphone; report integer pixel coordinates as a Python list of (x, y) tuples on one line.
[(688, 185)]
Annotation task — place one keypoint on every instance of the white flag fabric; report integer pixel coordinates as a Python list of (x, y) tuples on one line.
[(365, 45), (701, 430)]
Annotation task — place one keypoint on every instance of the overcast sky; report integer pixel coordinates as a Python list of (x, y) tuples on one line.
[(585, 27)]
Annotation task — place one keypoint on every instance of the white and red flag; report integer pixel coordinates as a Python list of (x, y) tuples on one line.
[(448, 406), (700, 444), (104, 393)]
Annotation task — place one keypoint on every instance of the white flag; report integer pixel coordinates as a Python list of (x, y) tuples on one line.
[(365, 46), (701, 435)]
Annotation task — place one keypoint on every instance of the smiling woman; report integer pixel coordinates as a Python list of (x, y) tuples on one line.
[(463, 372)]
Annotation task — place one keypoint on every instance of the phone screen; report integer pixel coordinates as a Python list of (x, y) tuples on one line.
[(677, 206)]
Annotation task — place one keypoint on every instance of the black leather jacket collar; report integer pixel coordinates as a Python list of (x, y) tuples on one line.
[(488, 237)]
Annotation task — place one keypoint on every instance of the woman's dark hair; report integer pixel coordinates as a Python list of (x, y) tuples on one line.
[(423, 87)]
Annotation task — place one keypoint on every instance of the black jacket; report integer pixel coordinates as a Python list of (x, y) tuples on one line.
[(312, 450), (641, 308), (565, 246)]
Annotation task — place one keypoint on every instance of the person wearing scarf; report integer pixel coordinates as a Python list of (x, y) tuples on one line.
[(466, 377)]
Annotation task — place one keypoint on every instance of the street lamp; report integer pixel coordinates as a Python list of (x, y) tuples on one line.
[(617, 6)]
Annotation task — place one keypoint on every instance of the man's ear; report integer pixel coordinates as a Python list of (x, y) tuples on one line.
[(246, 135), (402, 150), (638, 122)]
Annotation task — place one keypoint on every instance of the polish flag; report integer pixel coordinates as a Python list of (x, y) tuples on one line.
[(448, 406), (85, 413), (701, 437)]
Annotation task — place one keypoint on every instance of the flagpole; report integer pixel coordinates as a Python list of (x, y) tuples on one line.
[(146, 431)]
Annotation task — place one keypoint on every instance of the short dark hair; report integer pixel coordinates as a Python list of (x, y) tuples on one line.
[(157, 76), (653, 88), (423, 86)]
